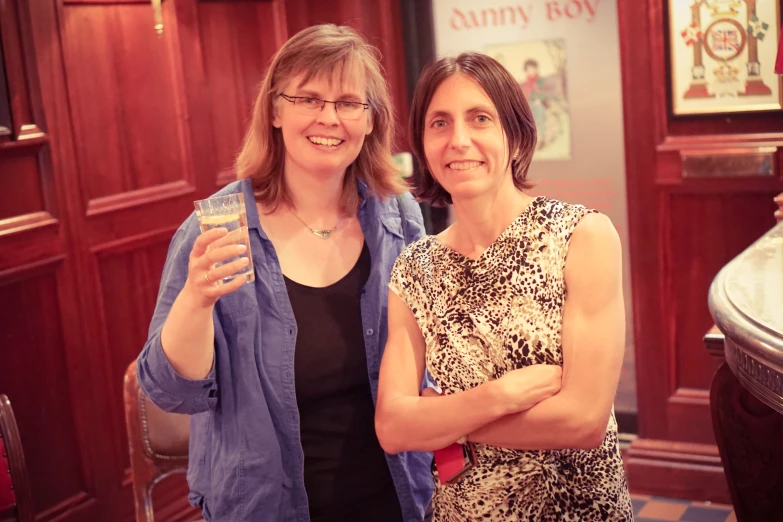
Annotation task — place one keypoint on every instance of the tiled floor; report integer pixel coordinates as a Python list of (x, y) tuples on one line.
[(657, 509)]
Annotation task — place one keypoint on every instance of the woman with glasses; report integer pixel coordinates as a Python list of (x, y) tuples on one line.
[(517, 289), (280, 375)]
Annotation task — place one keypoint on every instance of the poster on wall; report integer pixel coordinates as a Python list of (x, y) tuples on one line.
[(540, 68), (723, 56), (565, 54)]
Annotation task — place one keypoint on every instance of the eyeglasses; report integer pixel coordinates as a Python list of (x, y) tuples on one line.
[(347, 110)]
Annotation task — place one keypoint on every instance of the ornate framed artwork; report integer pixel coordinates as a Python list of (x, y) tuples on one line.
[(723, 56)]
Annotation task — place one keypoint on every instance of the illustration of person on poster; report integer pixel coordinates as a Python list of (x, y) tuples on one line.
[(535, 90)]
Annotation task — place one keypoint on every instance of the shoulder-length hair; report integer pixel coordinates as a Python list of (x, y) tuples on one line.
[(516, 119), (321, 51)]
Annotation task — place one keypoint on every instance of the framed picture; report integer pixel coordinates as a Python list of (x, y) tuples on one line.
[(540, 68), (723, 56)]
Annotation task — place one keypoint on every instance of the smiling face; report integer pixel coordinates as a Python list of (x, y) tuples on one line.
[(464, 142), (321, 142)]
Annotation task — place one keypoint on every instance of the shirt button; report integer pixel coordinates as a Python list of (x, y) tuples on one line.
[(290, 331), (370, 331)]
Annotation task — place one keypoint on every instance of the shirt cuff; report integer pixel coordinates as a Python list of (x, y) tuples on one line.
[(170, 390)]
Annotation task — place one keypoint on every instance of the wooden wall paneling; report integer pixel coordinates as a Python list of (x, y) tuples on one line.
[(386, 16), (237, 52), (34, 285), (123, 297), (22, 179), (19, 58), (33, 203), (42, 325), (5, 101), (380, 22), (135, 152), (127, 278), (34, 351), (682, 232), (126, 103), (640, 139)]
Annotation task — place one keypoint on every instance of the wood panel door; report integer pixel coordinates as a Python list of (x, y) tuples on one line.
[(137, 125), (682, 231)]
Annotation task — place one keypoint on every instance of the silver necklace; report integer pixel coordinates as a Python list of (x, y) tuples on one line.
[(322, 233)]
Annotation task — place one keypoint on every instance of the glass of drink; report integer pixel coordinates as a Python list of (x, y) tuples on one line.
[(227, 212)]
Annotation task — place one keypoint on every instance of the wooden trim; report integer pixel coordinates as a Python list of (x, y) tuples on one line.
[(681, 186), (131, 243), (140, 197), (690, 397), (31, 142), (634, 19), (677, 470), (24, 94), (27, 222), (27, 271), (79, 502), (720, 141)]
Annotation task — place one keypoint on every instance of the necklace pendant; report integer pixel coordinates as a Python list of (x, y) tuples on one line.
[(323, 234)]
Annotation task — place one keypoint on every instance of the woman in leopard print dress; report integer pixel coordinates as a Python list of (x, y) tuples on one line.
[(494, 307)]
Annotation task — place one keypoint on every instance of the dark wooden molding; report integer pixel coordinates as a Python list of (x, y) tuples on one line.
[(676, 469), (137, 198), (5, 101), (23, 90), (131, 243), (26, 222), (721, 141)]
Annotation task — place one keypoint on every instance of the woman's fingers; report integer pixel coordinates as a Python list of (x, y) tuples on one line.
[(214, 291), (216, 255), (204, 240), (219, 255)]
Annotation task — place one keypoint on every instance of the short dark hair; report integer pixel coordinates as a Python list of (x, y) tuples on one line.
[(516, 119)]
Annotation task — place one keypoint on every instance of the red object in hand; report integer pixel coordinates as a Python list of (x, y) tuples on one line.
[(453, 461)]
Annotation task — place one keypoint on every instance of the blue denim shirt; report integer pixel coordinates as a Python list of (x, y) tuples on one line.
[(246, 459)]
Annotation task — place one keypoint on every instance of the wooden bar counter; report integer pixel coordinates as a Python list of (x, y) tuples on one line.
[(746, 396)]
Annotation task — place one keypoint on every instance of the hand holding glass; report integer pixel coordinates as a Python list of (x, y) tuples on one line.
[(227, 212)]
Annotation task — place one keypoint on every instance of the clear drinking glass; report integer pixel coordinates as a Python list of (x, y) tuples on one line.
[(227, 212)]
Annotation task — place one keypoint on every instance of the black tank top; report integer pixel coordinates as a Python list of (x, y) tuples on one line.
[(345, 471)]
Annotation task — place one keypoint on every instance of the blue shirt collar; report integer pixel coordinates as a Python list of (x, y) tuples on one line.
[(246, 186)]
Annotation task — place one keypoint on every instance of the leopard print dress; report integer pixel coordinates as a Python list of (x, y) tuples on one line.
[(481, 318)]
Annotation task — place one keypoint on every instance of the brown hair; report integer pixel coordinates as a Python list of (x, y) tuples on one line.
[(516, 119), (318, 51)]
